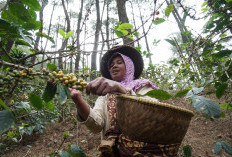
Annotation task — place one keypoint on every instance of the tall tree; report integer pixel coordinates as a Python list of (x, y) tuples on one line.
[(145, 34), (65, 42), (95, 47), (78, 31), (36, 45), (122, 14)]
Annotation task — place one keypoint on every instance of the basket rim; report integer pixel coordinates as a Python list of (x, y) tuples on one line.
[(156, 103)]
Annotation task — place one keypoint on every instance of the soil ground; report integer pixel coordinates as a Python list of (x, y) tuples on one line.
[(201, 135)]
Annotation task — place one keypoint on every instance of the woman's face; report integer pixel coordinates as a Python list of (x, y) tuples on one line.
[(117, 68)]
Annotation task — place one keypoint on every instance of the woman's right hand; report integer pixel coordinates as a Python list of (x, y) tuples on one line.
[(81, 105), (101, 86)]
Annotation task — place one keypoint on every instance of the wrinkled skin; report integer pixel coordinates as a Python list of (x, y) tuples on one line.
[(101, 86)]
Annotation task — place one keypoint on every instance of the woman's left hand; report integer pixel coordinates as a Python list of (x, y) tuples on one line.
[(101, 86)]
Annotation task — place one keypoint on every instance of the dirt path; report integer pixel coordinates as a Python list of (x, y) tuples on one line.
[(201, 135)]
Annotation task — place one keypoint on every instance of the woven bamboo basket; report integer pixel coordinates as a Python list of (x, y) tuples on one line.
[(152, 121)]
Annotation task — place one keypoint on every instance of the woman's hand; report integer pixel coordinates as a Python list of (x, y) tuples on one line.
[(101, 86), (81, 105)]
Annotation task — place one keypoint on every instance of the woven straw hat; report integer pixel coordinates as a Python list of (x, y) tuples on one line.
[(126, 50), (152, 121)]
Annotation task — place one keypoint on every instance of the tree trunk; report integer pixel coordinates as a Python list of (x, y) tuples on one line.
[(178, 20), (78, 37), (94, 54), (50, 24), (144, 32), (138, 44), (121, 6), (107, 24), (36, 45), (65, 42)]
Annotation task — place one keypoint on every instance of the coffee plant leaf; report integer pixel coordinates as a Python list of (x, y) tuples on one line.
[(18, 10), (125, 26), (194, 91), (76, 151), (61, 32), (67, 91), (62, 96), (158, 94), (51, 67), (227, 148), (206, 106), (168, 10), (221, 90), (33, 4), (217, 148), (159, 21), (6, 119), (182, 93), (63, 153), (49, 92), (69, 34), (187, 151), (50, 105), (35, 101), (4, 105)]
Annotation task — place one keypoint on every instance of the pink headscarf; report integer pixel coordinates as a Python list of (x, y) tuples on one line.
[(128, 79)]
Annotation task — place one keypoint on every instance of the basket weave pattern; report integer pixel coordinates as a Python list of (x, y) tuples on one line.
[(152, 121)]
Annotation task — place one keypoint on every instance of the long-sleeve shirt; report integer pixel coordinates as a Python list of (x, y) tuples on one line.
[(98, 119)]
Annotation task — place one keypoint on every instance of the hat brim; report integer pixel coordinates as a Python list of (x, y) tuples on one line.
[(129, 51)]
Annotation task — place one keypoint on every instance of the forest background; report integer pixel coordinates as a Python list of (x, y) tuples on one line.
[(64, 40)]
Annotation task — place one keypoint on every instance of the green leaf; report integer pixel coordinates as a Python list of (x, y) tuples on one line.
[(119, 33), (69, 34), (62, 96), (4, 105), (157, 22), (125, 26), (36, 101), (130, 36), (182, 93), (6, 119), (224, 106), (50, 105), (18, 10), (186, 33), (194, 91), (76, 151), (22, 42), (187, 151), (158, 94), (49, 92), (5, 27), (221, 90), (63, 153), (33, 25), (207, 106), (66, 134), (124, 32), (67, 91), (223, 35), (217, 148), (61, 32), (136, 34), (223, 53), (168, 10), (51, 67), (172, 42), (33, 4), (227, 148)]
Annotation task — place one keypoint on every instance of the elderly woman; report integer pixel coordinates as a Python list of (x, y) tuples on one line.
[(120, 67)]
